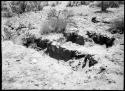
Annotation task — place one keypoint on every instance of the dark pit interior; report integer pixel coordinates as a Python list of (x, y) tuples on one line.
[(61, 53), (100, 39), (58, 52), (75, 38)]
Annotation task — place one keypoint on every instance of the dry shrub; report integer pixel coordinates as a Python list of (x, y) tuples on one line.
[(28, 39), (35, 5), (18, 37), (52, 3), (78, 3), (52, 13), (56, 21), (121, 2), (18, 7), (6, 34), (13, 7), (117, 26), (9, 34), (85, 2), (107, 4), (112, 4), (6, 9)]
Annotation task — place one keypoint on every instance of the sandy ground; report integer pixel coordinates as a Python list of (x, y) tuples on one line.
[(26, 68)]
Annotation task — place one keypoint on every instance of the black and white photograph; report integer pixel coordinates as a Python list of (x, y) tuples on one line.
[(62, 45)]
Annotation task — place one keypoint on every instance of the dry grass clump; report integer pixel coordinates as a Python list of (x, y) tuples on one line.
[(117, 26), (56, 21)]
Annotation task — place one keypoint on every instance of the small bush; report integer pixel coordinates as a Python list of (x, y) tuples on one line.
[(56, 22), (7, 35), (6, 9), (10, 8), (85, 2), (18, 7), (121, 2), (28, 39), (52, 3), (78, 3), (114, 4), (106, 4), (117, 26), (35, 5), (7, 14), (52, 13)]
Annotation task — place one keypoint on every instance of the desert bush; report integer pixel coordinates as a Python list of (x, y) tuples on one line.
[(28, 39), (52, 13), (13, 7), (30, 6), (19, 7), (35, 5), (6, 9), (117, 26), (7, 35), (7, 14), (53, 3), (106, 4), (85, 2), (121, 2), (78, 3), (38, 5), (56, 21), (71, 4), (23, 6), (57, 14), (114, 4)]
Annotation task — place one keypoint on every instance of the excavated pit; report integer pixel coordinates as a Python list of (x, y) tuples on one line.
[(101, 39), (75, 38), (60, 53)]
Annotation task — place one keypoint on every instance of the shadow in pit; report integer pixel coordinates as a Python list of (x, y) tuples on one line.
[(100, 39), (60, 53), (91, 60), (75, 38)]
